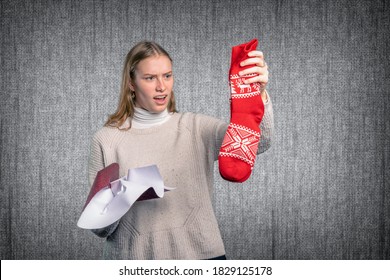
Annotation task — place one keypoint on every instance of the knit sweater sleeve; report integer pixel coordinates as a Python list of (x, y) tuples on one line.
[(267, 128), (96, 163), (212, 131), (96, 158)]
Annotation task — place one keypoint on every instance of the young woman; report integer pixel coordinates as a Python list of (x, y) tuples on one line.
[(146, 129)]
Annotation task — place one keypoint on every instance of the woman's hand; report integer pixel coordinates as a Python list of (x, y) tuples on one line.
[(260, 68)]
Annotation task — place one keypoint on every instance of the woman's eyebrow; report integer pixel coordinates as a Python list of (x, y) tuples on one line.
[(149, 74)]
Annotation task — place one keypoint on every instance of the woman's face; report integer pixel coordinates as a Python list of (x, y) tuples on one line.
[(153, 83)]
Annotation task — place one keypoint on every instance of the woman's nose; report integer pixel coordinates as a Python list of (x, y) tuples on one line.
[(160, 85)]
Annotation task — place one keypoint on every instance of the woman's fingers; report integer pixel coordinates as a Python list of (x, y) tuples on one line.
[(254, 70), (255, 58), (260, 69), (262, 79)]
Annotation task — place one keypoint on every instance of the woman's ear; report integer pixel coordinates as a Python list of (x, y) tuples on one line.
[(131, 86)]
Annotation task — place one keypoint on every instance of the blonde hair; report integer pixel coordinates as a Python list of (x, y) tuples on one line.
[(125, 108)]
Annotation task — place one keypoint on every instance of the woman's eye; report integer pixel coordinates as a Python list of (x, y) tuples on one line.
[(167, 76), (149, 78)]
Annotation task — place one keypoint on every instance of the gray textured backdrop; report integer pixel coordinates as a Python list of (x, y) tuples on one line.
[(321, 192)]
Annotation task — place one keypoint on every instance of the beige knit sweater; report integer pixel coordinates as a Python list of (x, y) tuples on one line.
[(182, 224)]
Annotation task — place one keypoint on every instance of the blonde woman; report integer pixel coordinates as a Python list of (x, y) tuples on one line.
[(146, 129)]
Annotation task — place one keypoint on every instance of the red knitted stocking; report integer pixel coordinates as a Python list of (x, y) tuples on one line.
[(239, 148)]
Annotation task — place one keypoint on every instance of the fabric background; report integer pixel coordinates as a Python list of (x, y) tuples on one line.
[(321, 191)]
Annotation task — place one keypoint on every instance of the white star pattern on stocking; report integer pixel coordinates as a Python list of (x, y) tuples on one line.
[(240, 142)]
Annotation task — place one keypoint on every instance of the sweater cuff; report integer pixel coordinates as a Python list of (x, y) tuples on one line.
[(267, 99)]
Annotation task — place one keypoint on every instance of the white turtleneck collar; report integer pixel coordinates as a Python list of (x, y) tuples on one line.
[(144, 119)]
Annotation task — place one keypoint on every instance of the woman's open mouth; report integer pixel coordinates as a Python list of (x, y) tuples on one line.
[(160, 99)]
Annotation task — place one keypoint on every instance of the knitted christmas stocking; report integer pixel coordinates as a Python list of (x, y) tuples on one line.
[(239, 148)]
